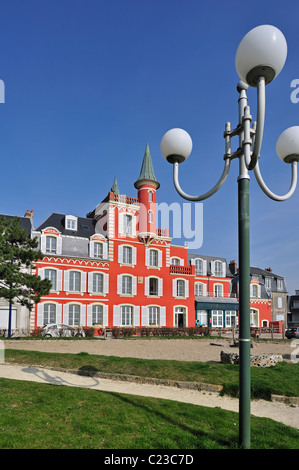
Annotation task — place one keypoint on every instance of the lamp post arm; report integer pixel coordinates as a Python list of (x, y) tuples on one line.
[(269, 193), (261, 106), (203, 196)]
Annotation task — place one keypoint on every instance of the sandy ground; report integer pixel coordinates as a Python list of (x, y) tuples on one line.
[(202, 350), (185, 350)]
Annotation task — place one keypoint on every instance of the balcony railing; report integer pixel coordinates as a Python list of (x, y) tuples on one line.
[(174, 269), (212, 294), (123, 199), (163, 232)]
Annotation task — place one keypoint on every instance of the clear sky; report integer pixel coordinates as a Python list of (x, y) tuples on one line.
[(89, 82)]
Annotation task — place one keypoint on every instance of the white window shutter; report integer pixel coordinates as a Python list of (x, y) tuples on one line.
[(119, 284), (58, 313), (82, 315), (174, 290), (105, 315), (89, 315), (144, 316), (59, 280), (213, 268), (116, 315), (120, 254), (43, 243), (41, 273), (160, 287), (59, 245), (134, 255), (182, 262), (66, 280), (224, 269), (147, 257), (134, 285), (192, 261), (105, 250), (251, 290), (136, 316), (83, 282), (120, 223), (162, 316), (259, 291), (204, 267), (204, 290), (159, 258), (186, 288), (134, 225), (146, 286), (40, 316), (90, 282), (106, 283), (66, 314), (91, 249)]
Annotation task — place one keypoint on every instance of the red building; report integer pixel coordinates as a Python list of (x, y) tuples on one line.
[(115, 267)]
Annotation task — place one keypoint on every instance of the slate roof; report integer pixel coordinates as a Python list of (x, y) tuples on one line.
[(209, 259), (24, 222), (86, 227)]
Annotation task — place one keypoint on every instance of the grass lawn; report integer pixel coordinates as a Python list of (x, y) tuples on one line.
[(42, 416), (283, 379)]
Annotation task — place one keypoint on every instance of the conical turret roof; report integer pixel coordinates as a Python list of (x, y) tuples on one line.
[(147, 171), (115, 188)]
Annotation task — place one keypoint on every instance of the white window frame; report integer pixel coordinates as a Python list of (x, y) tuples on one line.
[(149, 257), (71, 223), (217, 318), (176, 289), (218, 290)]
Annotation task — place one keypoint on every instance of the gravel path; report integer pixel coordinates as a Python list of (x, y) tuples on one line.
[(202, 350)]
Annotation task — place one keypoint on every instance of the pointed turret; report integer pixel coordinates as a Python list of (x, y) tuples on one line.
[(147, 185), (147, 174), (115, 188)]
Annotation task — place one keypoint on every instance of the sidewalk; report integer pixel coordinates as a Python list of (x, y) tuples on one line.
[(274, 410)]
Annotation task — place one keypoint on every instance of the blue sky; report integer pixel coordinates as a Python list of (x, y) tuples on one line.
[(89, 82)]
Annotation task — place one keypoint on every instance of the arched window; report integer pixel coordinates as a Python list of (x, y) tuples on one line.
[(49, 314), (97, 314), (51, 244), (74, 314), (198, 266), (75, 281), (51, 274), (150, 196)]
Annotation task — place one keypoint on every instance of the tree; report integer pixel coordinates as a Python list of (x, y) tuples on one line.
[(18, 253)]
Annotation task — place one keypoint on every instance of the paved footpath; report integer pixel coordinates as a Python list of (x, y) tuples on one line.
[(281, 412)]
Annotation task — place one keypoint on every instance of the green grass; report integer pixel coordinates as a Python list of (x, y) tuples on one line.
[(42, 416), (283, 379)]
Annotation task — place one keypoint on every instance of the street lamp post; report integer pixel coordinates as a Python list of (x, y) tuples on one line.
[(259, 59)]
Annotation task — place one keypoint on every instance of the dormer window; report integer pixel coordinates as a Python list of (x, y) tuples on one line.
[(71, 222)]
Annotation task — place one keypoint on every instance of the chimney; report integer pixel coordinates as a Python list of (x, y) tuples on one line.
[(268, 269), (233, 266), (29, 215)]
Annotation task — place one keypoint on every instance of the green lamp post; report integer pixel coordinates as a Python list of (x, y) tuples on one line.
[(259, 59)]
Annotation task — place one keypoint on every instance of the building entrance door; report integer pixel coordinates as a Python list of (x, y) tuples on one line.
[(180, 317)]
